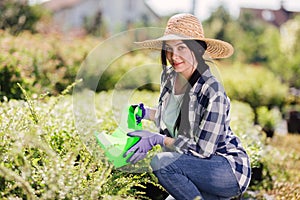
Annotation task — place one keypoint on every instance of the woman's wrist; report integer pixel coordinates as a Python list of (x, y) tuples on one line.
[(149, 113), (169, 142)]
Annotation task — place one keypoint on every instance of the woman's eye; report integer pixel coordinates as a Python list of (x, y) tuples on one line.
[(181, 47), (169, 49)]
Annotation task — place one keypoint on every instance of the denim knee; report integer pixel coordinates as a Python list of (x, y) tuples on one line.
[(162, 160), (155, 163)]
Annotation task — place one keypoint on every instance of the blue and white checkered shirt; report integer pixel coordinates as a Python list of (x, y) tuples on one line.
[(210, 132)]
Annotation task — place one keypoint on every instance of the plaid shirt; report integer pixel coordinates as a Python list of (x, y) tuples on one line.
[(210, 133)]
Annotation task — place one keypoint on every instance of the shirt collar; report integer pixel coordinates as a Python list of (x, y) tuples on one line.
[(203, 78), (171, 74)]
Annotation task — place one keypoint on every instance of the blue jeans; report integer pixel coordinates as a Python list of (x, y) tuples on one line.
[(187, 177)]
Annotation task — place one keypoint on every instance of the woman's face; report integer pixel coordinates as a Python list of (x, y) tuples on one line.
[(181, 57)]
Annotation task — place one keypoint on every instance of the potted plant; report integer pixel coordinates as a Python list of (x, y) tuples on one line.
[(268, 119), (292, 116)]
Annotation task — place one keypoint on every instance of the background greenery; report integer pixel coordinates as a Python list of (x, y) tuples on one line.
[(43, 155)]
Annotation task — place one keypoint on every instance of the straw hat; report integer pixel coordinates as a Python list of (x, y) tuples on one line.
[(188, 27)]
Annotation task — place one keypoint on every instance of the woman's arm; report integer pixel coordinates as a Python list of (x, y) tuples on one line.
[(151, 115)]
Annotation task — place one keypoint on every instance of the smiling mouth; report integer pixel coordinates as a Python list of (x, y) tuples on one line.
[(176, 64)]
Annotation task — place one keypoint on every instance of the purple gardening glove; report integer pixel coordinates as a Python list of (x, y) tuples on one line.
[(142, 107), (141, 148)]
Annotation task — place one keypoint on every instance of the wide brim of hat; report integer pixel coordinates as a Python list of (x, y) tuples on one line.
[(215, 48)]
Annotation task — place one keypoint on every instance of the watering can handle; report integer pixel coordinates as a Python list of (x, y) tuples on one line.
[(134, 112)]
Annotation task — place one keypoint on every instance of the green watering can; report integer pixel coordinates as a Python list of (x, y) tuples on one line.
[(117, 143)]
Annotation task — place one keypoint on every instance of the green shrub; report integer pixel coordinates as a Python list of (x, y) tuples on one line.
[(115, 64), (268, 118), (41, 63), (131, 71), (254, 85), (10, 75), (46, 158), (46, 155), (49, 63)]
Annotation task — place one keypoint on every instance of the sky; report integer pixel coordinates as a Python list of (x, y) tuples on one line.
[(205, 7)]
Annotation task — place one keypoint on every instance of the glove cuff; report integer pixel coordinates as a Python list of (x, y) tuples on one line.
[(163, 140)]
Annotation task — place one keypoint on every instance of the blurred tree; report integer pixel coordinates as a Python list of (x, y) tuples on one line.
[(247, 34), (258, 42), (16, 16), (285, 60), (250, 38), (218, 24)]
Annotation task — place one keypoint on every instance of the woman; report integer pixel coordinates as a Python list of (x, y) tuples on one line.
[(202, 157)]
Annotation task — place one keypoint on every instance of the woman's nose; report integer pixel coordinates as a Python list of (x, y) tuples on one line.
[(175, 54)]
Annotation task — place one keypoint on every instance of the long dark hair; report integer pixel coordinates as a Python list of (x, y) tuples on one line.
[(198, 47)]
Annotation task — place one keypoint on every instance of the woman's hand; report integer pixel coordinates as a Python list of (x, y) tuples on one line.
[(145, 144)]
